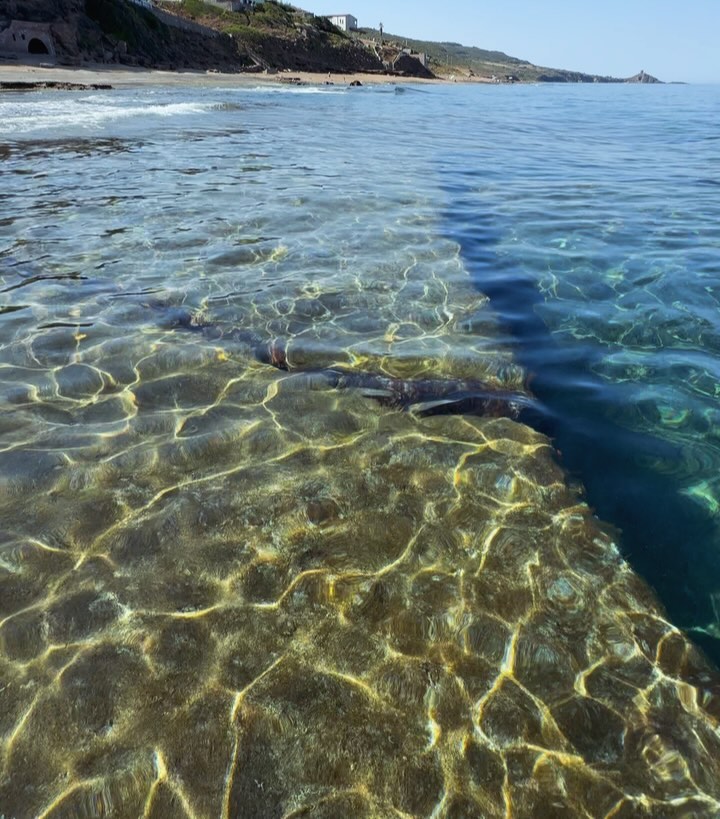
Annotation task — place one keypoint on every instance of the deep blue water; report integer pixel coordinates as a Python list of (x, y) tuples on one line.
[(592, 227), (587, 214)]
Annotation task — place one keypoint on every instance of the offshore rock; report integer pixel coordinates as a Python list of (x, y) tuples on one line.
[(642, 77)]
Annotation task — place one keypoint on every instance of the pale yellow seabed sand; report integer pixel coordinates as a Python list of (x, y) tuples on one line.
[(260, 597)]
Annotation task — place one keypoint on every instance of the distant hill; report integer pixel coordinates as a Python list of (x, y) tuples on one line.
[(448, 58)]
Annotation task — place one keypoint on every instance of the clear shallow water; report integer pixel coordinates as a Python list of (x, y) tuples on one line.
[(230, 589)]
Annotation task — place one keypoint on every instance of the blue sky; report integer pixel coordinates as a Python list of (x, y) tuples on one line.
[(671, 39)]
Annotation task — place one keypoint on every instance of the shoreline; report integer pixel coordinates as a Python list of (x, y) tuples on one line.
[(120, 76), (128, 77)]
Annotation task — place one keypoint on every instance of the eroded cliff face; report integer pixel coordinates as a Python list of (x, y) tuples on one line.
[(63, 17), (42, 11), (310, 52), (114, 31)]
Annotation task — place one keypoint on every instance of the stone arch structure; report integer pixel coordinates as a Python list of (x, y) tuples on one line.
[(22, 39), (37, 46)]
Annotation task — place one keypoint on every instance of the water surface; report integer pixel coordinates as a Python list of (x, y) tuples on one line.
[(238, 576)]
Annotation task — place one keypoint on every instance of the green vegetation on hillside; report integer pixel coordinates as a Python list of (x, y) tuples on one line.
[(453, 58), (119, 31), (281, 36), (271, 14), (121, 20), (270, 17), (145, 39)]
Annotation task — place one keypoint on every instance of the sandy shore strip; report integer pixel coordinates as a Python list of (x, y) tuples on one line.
[(128, 77)]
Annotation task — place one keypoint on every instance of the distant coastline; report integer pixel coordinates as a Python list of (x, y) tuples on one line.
[(266, 38)]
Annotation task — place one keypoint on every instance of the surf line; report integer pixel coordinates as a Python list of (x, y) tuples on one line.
[(665, 536)]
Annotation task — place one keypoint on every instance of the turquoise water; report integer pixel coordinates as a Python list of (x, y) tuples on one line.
[(329, 418), (596, 235)]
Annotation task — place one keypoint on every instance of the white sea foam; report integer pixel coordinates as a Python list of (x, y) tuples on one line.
[(24, 116), (298, 89)]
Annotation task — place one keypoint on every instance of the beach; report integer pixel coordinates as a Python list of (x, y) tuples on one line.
[(128, 77)]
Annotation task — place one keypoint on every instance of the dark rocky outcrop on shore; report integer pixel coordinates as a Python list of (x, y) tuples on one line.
[(54, 86), (410, 66)]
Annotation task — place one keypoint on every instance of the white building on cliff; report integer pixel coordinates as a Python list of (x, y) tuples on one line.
[(345, 22), (233, 5)]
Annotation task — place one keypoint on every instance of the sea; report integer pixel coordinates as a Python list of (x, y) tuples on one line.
[(360, 451)]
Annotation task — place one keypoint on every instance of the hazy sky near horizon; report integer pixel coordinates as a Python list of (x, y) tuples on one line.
[(671, 39)]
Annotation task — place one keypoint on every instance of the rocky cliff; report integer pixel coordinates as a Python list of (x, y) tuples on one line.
[(115, 31), (281, 36), (118, 31)]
